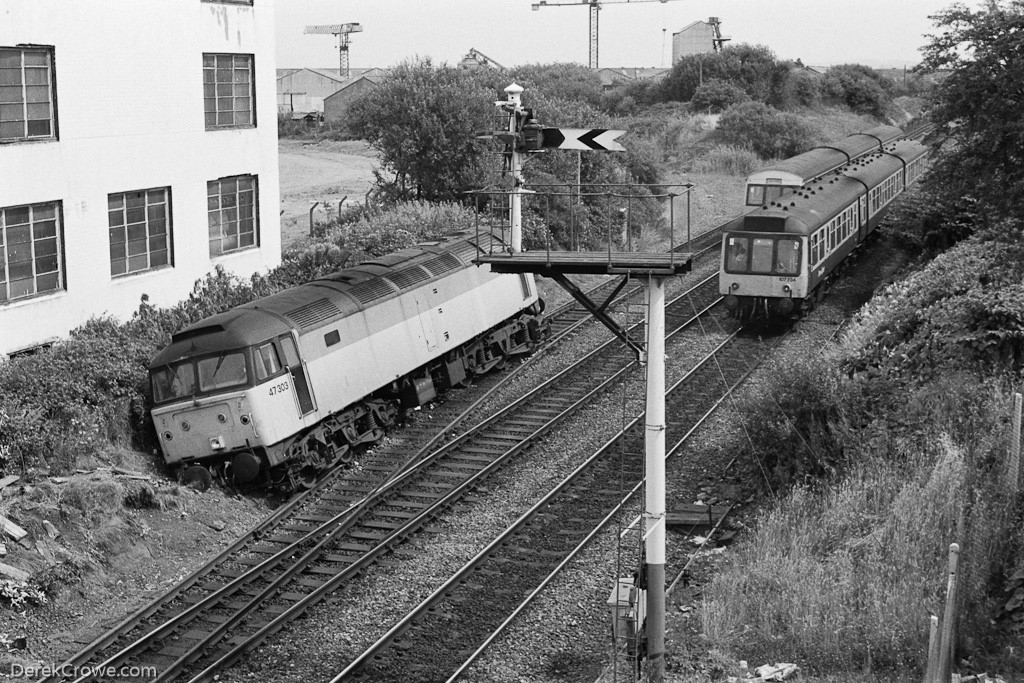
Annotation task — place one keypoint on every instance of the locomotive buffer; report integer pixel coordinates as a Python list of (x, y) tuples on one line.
[(524, 134)]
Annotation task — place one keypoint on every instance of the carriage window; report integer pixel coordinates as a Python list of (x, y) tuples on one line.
[(226, 370), (788, 257), (755, 195), (773, 193), (174, 381), (761, 255), (736, 255), (267, 362)]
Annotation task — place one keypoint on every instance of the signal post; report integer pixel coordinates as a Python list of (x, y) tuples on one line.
[(525, 135)]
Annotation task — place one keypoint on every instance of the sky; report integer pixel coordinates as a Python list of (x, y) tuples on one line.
[(877, 33)]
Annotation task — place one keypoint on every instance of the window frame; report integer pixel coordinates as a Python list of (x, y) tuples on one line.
[(223, 210), (167, 234), (258, 365), (216, 98), (51, 83), (60, 284)]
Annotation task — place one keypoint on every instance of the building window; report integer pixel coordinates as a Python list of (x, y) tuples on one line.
[(231, 207), (228, 93), (30, 251), (140, 230), (26, 94)]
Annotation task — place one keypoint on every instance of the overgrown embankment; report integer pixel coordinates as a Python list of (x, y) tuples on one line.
[(892, 445)]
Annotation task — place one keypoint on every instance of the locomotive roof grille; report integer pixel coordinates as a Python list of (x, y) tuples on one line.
[(445, 263), (371, 290), (409, 277), (312, 313), (466, 250)]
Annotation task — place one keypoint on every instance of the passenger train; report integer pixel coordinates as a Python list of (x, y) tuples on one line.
[(776, 259), (278, 389), (769, 184)]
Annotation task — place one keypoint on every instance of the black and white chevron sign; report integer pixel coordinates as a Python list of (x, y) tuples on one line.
[(583, 138)]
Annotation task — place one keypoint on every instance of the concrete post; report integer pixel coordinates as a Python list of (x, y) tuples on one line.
[(948, 618), (654, 441)]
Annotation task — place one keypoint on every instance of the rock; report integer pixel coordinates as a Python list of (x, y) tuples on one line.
[(14, 572), (51, 530), (216, 525)]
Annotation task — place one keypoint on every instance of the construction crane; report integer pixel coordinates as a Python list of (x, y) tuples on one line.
[(595, 8), (342, 31)]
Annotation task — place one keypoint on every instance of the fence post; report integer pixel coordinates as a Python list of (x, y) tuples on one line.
[(315, 204), (933, 650), (948, 618), (1013, 471)]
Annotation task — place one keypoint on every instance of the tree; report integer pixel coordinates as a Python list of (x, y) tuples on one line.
[(978, 106), (859, 87), (752, 68), (424, 121), (770, 133), (716, 95)]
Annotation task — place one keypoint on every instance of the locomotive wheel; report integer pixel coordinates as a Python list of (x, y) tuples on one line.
[(307, 477), (197, 477)]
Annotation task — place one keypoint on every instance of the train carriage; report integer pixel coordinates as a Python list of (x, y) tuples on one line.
[(289, 384), (769, 184), (776, 259)]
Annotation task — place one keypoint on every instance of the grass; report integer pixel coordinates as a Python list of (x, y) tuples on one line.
[(844, 578)]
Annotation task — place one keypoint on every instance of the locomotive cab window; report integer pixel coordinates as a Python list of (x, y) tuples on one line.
[(174, 381), (266, 361), (223, 371), (787, 257), (736, 254), (761, 255)]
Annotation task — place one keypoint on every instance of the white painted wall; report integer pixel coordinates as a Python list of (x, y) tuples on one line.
[(129, 85)]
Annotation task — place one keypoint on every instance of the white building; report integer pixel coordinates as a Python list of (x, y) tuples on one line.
[(138, 150)]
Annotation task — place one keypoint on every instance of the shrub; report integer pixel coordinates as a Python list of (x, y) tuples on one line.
[(859, 87), (737, 161), (767, 131), (716, 95)]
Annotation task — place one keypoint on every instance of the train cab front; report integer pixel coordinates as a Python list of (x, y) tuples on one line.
[(762, 277), (225, 401)]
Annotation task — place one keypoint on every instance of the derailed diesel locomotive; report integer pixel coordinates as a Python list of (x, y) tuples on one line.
[(777, 258), (278, 389)]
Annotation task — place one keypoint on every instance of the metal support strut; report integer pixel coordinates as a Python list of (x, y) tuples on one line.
[(598, 311)]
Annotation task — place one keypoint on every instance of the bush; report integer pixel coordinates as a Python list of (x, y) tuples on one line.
[(716, 95), (859, 87), (736, 161), (765, 130)]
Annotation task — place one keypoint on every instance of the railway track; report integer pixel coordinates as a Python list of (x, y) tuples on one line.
[(441, 637), (308, 547)]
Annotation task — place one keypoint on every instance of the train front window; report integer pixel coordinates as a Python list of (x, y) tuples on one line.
[(787, 257), (220, 372), (755, 195), (761, 255), (174, 381), (266, 361), (736, 254)]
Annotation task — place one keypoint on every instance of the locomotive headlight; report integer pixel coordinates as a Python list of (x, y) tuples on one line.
[(168, 436), (244, 419), (735, 285), (787, 289), (217, 443), (185, 426)]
